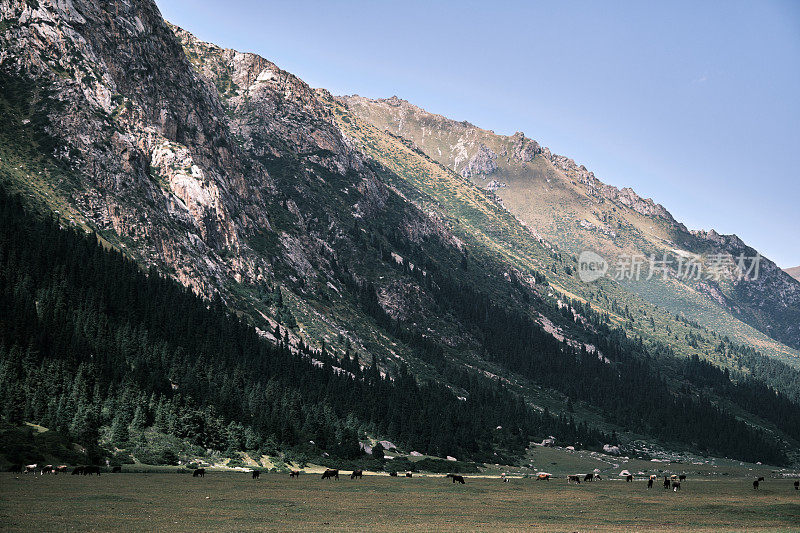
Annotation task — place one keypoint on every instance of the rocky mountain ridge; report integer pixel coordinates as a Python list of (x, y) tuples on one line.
[(570, 207)]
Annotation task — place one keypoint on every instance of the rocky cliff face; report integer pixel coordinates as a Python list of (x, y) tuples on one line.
[(154, 152), (215, 166)]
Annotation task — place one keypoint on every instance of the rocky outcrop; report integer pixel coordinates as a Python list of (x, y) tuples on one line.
[(482, 163), (524, 149)]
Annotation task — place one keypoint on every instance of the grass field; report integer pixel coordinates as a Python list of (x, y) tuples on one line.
[(235, 502)]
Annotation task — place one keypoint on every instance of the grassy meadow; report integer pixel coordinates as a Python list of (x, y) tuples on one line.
[(232, 501)]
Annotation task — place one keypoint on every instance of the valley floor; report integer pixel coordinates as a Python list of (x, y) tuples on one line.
[(228, 501)]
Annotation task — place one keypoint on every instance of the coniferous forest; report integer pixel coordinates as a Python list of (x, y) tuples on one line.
[(106, 354)]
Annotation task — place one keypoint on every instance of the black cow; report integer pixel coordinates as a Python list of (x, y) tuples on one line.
[(576, 479), (199, 472), (294, 473), (761, 479), (456, 478), (116, 470), (628, 478), (797, 485), (393, 474), (330, 473), (16, 469), (92, 469), (666, 482), (256, 473), (78, 470), (409, 474), (588, 477), (357, 474), (682, 477), (755, 485), (650, 483)]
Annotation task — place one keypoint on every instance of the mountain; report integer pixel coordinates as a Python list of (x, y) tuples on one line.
[(568, 206), (315, 238), (794, 272)]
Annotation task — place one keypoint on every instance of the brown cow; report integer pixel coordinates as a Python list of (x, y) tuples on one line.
[(330, 473), (676, 486), (294, 473), (62, 468), (543, 477), (357, 474)]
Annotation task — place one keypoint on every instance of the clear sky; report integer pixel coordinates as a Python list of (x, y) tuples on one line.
[(695, 104)]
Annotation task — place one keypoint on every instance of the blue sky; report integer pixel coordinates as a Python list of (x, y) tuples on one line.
[(695, 104)]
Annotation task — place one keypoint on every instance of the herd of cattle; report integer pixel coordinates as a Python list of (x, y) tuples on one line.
[(64, 469), (673, 481)]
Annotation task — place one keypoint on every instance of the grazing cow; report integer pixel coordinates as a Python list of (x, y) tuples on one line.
[(682, 477), (666, 482), (31, 469), (47, 469), (16, 469), (755, 485), (330, 473), (588, 477), (503, 477), (676, 486), (797, 485), (199, 472), (393, 474), (409, 474), (628, 478), (116, 469), (597, 477), (294, 473), (256, 473), (89, 470), (77, 470), (543, 477), (357, 474), (761, 479), (575, 478), (457, 478), (62, 468)]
